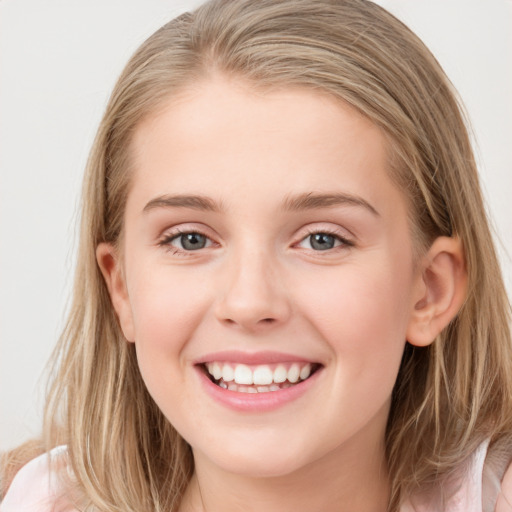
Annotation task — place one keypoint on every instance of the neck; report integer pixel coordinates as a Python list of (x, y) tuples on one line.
[(351, 477)]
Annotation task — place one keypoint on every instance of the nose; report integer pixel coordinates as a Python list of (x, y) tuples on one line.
[(253, 296)]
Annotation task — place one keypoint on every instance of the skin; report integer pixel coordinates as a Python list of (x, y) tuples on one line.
[(259, 285)]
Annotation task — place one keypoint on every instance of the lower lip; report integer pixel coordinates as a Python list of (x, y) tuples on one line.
[(256, 402)]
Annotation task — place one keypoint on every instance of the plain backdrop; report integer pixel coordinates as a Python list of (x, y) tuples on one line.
[(59, 60)]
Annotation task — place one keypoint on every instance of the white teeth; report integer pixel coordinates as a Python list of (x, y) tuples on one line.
[(228, 374), (243, 374), (217, 371), (260, 378), (263, 375), (232, 386), (294, 373), (305, 372), (280, 374)]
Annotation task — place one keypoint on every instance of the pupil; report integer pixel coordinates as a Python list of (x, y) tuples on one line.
[(322, 241), (193, 241)]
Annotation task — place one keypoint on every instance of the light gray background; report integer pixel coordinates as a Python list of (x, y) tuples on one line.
[(58, 62)]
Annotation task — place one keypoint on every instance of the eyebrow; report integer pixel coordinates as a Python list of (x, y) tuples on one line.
[(194, 202), (306, 201), (312, 201)]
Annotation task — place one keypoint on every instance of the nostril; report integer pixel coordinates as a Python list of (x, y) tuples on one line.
[(258, 323)]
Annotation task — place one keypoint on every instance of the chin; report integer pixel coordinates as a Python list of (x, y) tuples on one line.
[(261, 469), (259, 460)]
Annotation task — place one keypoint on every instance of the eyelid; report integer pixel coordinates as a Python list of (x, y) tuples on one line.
[(179, 235), (172, 233), (339, 234)]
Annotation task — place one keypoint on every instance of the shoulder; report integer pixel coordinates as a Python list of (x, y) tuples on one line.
[(504, 502), (483, 484), (35, 487), (498, 475)]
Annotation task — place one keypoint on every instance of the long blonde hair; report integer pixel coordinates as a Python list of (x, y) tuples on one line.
[(448, 397)]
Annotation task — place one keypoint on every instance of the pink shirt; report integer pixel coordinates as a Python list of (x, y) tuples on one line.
[(478, 490), (35, 489)]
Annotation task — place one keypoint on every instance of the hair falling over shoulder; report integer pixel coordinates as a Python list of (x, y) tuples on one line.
[(448, 397)]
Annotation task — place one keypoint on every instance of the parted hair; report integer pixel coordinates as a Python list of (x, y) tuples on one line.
[(448, 397)]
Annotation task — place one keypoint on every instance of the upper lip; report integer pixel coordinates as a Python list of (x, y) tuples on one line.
[(252, 358)]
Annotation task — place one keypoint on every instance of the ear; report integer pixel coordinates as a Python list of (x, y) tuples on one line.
[(111, 267), (442, 281)]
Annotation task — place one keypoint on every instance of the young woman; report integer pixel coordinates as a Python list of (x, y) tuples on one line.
[(287, 295)]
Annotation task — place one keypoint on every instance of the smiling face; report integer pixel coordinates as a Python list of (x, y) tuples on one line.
[(265, 243)]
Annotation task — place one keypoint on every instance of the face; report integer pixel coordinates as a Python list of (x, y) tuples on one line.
[(265, 243)]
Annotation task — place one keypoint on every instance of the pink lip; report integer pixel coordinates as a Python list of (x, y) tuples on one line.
[(266, 357), (255, 402)]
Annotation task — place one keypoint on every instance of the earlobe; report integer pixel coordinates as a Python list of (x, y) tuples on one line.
[(111, 268), (442, 284)]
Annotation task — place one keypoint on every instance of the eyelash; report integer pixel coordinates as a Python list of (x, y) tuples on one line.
[(165, 242), (344, 242)]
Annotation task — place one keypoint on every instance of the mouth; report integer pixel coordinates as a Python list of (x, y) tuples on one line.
[(263, 378)]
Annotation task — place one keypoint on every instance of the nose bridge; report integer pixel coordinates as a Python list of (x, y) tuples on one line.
[(252, 292)]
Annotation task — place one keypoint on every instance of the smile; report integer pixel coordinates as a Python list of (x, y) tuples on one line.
[(263, 378)]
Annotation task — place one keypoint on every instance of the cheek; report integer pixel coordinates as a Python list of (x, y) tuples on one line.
[(362, 313), (166, 304), (357, 301), (166, 309)]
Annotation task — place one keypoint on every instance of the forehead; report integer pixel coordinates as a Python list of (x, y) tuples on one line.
[(224, 137)]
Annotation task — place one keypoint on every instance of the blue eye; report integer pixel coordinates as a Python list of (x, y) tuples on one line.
[(322, 241), (189, 241)]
